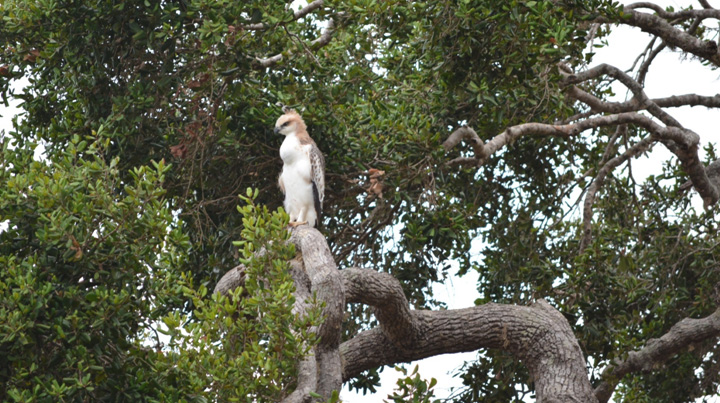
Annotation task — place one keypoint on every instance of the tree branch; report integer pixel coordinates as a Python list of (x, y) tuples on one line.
[(466, 133), (327, 287), (538, 335), (680, 141), (597, 183), (307, 378), (658, 351), (296, 16), (659, 25), (633, 105), (314, 274), (324, 38), (639, 94)]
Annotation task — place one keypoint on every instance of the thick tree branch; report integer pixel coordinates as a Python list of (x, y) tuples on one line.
[(466, 133), (314, 274), (384, 292), (538, 335), (658, 25), (307, 378), (682, 142), (327, 286), (657, 351)]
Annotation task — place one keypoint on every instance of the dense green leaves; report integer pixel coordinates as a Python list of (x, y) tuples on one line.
[(244, 346), (86, 262)]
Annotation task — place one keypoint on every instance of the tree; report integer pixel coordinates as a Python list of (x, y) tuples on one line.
[(154, 116)]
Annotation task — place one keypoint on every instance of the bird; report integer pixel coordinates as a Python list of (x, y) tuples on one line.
[(302, 179)]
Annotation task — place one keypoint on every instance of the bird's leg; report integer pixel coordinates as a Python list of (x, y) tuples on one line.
[(300, 219)]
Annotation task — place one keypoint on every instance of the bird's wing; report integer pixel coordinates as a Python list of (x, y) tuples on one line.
[(317, 162), (281, 184)]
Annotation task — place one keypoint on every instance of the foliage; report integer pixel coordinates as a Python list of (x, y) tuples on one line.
[(245, 346), (87, 259), (412, 388), (153, 116)]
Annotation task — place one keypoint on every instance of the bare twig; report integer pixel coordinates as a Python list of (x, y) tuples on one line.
[(633, 151)]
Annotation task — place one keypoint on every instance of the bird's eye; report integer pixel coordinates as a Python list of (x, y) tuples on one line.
[(285, 124)]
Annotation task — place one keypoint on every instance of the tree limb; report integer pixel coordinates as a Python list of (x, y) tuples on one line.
[(658, 25), (327, 287), (537, 335), (680, 141), (633, 105), (640, 147), (658, 351), (307, 378), (314, 274), (322, 40), (296, 16)]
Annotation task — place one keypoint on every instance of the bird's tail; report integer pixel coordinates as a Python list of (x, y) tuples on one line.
[(318, 205)]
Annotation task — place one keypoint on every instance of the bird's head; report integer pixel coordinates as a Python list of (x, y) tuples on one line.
[(290, 122)]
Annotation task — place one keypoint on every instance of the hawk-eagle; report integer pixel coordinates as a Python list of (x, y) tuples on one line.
[(303, 175)]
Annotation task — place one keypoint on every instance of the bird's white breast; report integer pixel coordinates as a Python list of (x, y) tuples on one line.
[(296, 176), (295, 156)]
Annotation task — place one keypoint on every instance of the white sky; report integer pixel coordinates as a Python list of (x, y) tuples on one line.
[(669, 74)]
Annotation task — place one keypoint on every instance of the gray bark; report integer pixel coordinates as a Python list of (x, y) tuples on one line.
[(537, 335)]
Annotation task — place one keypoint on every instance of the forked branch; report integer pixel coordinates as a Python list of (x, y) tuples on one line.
[(538, 335)]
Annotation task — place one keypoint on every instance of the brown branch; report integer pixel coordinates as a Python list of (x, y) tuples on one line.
[(676, 15), (680, 141), (466, 133), (599, 180), (705, 4), (307, 377), (538, 335), (657, 351), (314, 274), (645, 66), (296, 16), (324, 38), (634, 87), (327, 287), (658, 25), (632, 105), (384, 292)]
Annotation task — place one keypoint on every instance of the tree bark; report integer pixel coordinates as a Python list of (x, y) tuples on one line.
[(537, 335)]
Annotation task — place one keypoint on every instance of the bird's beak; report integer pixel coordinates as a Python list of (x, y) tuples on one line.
[(276, 130)]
